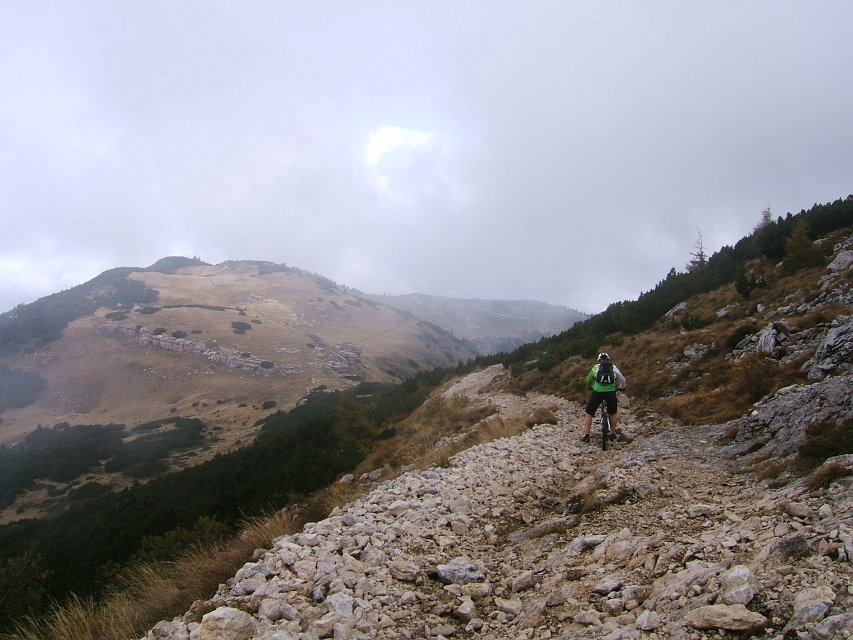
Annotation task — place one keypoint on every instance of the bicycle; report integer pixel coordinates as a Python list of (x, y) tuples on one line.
[(605, 426), (606, 433)]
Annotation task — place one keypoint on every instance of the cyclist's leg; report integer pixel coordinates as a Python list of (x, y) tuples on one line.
[(587, 423), (589, 412), (613, 412)]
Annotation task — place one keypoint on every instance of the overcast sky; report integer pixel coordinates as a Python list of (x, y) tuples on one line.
[(568, 152)]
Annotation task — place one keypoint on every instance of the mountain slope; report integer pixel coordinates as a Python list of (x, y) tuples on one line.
[(225, 344)]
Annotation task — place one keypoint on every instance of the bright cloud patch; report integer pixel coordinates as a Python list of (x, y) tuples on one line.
[(382, 140)]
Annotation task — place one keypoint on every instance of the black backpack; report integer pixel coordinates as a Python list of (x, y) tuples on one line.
[(605, 373)]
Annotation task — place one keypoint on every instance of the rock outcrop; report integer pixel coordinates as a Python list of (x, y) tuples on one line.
[(346, 356)]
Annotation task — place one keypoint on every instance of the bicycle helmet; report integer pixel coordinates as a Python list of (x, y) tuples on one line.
[(603, 357)]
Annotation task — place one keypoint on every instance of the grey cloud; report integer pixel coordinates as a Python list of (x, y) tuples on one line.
[(559, 131)]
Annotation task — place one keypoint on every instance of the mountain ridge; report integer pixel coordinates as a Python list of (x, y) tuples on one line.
[(225, 344)]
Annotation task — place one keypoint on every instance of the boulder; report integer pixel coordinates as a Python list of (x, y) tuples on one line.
[(225, 623), (738, 586), (460, 570), (734, 617)]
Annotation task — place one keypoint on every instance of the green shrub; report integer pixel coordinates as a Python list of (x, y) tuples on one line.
[(690, 322), (240, 327), (269, 404), (159, 331), (149, 310), (88, 490), (179, 334), (170, 545), (739, 334), (266, 364), (387, 433), (826, 440), (754, 376), (116, 316), (18, 388)]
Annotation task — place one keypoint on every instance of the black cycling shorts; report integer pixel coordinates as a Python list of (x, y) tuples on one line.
[(596, 398)]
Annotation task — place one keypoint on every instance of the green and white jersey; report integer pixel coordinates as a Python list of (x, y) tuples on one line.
[(592, 380)]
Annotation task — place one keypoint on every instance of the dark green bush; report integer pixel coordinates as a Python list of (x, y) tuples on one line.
[(691, 322), (240, 327), (171, 544), (269, 404), (266, 364), (88, 490), (826, 440), (18, 388), (179, 334), (739, 334), (387, 433)]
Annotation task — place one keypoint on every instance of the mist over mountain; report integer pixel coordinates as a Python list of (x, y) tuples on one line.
[(491, 326)]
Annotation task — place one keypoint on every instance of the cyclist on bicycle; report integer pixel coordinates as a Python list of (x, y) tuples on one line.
[(603, 380)]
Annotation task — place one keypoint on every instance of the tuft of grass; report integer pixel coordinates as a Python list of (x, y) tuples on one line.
[(541, 416), (825, 475), (729, 436), (753, 376)]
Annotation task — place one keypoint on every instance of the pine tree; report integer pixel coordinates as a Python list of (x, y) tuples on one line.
[(800, 251), (698, 258), (766, 218)]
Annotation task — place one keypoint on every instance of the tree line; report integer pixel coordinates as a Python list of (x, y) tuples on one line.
[(789, 239)]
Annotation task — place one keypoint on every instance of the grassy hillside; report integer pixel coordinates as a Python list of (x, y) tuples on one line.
[(225, 344)]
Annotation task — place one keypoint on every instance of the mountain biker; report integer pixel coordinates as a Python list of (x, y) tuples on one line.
[(603, 389)]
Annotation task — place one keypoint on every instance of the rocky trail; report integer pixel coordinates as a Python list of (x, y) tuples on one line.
[(539, 536)]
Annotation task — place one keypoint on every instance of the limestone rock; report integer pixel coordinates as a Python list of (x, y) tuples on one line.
[(225, 623), (460, 570), (648, 621), (733, 617), (739, 586)]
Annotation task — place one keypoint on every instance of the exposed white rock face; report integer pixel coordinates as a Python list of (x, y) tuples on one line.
[(536, 537), (225, 624)]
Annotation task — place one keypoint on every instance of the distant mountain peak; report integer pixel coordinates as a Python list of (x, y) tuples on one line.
[(170, 264)]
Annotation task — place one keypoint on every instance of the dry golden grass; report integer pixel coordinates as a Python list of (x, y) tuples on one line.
[(826, 474), (147, 593)]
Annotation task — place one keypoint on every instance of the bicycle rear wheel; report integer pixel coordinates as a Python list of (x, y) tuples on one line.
[(605, 429)]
